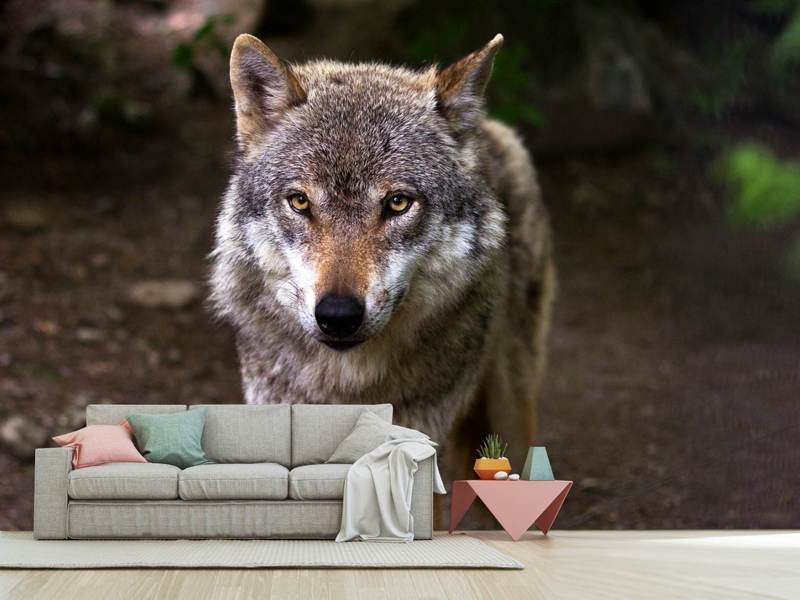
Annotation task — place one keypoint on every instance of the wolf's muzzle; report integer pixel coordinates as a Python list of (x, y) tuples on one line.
[(339, 317)]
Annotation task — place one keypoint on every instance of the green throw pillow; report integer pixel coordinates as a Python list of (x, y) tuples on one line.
[(174, 438)]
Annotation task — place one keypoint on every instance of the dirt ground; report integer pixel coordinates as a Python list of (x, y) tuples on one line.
[(673, 388), (673, 384)]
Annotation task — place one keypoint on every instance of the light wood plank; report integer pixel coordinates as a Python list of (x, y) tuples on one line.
[(9, 579), (565, 564)]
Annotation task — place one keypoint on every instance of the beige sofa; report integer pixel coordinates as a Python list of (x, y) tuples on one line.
[(268, 480)]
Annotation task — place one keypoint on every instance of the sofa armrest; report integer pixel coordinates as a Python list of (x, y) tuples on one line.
[(50, 493), (422, 500)]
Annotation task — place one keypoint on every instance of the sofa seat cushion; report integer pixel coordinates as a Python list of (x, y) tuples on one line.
[(251, 481), (124, 481), (318, 482)]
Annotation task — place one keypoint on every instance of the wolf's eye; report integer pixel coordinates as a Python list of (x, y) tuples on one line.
[(397, 204), (299, 203)]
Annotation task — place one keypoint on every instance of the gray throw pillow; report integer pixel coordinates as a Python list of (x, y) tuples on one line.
[(369, 433)]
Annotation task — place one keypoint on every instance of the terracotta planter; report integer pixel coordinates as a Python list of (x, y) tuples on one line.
[(487, 467)]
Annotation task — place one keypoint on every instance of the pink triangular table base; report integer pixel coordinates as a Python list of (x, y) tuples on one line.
[(515, 504)]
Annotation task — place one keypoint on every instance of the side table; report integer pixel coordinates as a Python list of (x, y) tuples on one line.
[(515, 504)]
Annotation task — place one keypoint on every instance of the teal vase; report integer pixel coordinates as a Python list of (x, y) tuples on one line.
[(537, 465)]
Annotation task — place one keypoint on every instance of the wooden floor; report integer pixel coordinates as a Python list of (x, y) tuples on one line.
[(574, 564)]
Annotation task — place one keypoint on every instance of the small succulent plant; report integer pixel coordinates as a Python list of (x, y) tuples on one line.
[(493, 446)]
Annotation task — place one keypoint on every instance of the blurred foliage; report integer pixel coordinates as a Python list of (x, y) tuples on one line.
[(206, 38), (785, 51), (773, 7), (113, 107), (447, 35), (765, 189), (70, 89), (438, 39), (755, 66), (727, 78), (792, 265), (514, 87), (766, 193)]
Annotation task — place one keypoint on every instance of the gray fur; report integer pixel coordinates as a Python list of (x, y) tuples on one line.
[(457, 290)]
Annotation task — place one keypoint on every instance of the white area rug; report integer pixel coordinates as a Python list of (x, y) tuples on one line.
[(18, 549)]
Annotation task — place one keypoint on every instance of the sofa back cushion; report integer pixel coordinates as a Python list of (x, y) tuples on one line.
[(318, 429), (244, 433), (114, 414), (370, 432)]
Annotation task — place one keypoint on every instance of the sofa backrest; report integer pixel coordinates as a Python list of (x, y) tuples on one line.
[(317, 429), (244, 433), (300, 434), (114, 414)]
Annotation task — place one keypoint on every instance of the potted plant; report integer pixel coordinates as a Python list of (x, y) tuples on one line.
[(492, 457)]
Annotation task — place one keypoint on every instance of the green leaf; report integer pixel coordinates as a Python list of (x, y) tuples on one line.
[(206, 29), (786, 51), (492, 447), (766, 190), (183, 56), (773, 7)]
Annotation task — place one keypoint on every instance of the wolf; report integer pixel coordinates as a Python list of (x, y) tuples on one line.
[(382, 240)]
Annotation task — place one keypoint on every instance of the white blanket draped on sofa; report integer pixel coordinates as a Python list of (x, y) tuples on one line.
[(377, 491)]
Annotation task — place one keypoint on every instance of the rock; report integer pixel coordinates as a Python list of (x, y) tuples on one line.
[(26, 215), (10, 388), (47, 327), (22, 435), (89, 335), (589, 482), (5, 288), (174, 356), (501, 475), (99, 260), (72, 414), (619, 78), (81, 399), (73, 417), (115, 313), (514, 477), (78, 272), (153, 359), (164, 293), (615, 80), (588, 200)]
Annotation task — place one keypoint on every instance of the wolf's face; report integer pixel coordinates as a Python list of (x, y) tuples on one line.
[(357, 184)]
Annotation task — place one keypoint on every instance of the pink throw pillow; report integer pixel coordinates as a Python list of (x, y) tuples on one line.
[(100, 444)]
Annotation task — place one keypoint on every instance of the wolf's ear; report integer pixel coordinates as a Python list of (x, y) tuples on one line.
[(264, 86), (460, 87)]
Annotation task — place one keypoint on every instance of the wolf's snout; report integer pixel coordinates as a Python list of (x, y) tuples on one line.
[(339, 316)]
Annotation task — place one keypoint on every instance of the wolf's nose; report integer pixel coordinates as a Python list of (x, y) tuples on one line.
[(339, 316)]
